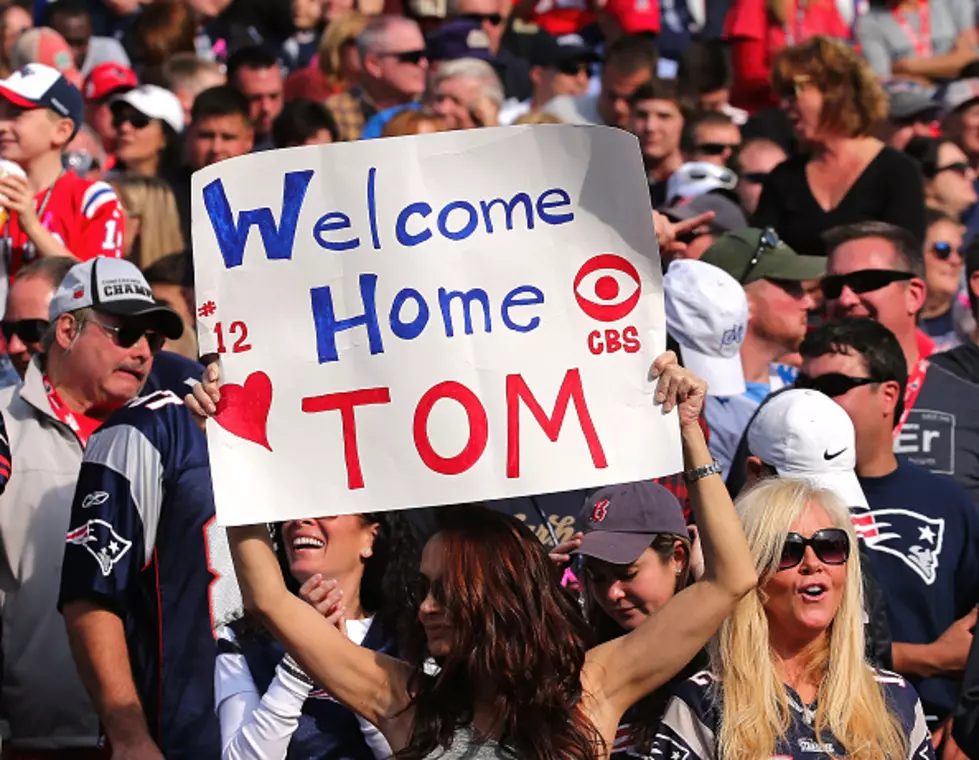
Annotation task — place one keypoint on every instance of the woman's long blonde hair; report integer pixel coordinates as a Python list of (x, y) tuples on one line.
[(150, 200), (851, 705)]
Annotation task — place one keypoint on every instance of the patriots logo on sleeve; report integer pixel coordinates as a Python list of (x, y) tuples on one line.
[(914, 539), (101, 541)]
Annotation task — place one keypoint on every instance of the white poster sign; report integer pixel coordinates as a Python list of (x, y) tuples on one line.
[(430, 320)]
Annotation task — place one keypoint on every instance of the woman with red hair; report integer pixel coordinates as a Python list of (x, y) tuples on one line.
[(517, 677)]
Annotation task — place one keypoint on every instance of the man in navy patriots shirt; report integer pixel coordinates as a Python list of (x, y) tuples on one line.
[(921, 530), (146, 579)]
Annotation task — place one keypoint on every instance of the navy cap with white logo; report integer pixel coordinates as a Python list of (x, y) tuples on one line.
[(113, 286), (621, 521), (35, 85)]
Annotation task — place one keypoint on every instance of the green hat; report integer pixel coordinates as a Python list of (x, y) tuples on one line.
[(733, 252)]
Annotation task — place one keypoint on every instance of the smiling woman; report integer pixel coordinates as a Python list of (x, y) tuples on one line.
[(788, 675)]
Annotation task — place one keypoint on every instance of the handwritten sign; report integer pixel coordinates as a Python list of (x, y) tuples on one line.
[(430, 320)]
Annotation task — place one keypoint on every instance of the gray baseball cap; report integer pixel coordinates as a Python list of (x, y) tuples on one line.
[(728, 215), (621, 521)]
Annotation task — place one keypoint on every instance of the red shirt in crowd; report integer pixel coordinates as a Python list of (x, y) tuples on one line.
[(756, 38), (85, 216)]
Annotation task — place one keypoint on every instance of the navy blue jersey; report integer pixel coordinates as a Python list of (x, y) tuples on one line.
[(172, 372), (143, 543), (922, 539), (691, 725)]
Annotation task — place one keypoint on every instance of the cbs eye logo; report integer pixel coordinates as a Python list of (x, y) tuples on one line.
[(607, 289)]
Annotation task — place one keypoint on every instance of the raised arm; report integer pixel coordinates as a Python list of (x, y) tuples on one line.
[(621, 672), (371, 684)]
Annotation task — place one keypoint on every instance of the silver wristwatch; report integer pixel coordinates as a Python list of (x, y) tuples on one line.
[(704, 471)]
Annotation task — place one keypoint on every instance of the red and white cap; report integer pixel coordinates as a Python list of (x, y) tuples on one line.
[(107, 79), (35, 85)]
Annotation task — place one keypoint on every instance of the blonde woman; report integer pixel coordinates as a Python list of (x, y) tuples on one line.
[(788, 677), (339, 60), (152, 221)]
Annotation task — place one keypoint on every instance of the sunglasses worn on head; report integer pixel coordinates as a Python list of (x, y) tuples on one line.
[(129, 333), (832, 384), (137, 119), (861, 281), (28, 330), (768, 240), (407, 56), (831, 545), (715, 149), (944, 250), (959, 167)]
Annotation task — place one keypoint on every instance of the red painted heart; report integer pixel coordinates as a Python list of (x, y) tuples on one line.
[(244, 409)]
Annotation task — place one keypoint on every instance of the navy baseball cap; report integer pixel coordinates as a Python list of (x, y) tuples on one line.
[(35, 85), (554, 52), (621, 521), (461, 38)]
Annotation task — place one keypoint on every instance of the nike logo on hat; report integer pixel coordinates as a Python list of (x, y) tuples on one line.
[(827, 456)]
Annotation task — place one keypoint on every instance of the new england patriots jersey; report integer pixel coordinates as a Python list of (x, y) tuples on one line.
[(143, 543), (691, 724)]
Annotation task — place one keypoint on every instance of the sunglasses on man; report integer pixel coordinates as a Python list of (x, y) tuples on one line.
[(831, 546), (944, 250), (28, 330), (407, 56), (128, 334), (493, 18), (962, 168), (861, 281), (832, 384), (573, 68), (755, 178), (716, 148)]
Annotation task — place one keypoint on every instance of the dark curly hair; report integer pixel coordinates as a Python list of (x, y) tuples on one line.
[(390, 582), (516, 629)]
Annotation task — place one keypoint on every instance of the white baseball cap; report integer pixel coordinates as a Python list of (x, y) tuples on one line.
[(155, 102), (113, 286), (707, 314), (698, 177), (805, 435)]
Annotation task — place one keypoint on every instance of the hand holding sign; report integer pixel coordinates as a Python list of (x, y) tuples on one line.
[(471, 318)]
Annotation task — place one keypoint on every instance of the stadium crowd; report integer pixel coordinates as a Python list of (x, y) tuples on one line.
[(806, 587)]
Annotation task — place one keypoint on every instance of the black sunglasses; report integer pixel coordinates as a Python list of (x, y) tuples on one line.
[(572, 68), (861, 281), (832, 384), (831, 545), (944, 250), (756, 178), (128, 334), (959, 167), (769, 240), (137, 119), (494, 18), (715, 149), (28, 330), (408, 56)]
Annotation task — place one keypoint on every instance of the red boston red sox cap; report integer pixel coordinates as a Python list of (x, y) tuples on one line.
[(621, 521)]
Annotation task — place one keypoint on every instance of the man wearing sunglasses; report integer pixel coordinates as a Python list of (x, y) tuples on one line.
[(922, 530), (97, 352), (28, 306), (772, 275), (713, 137), (758, 156), (558, 66), (876, 270), (394, 70)]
